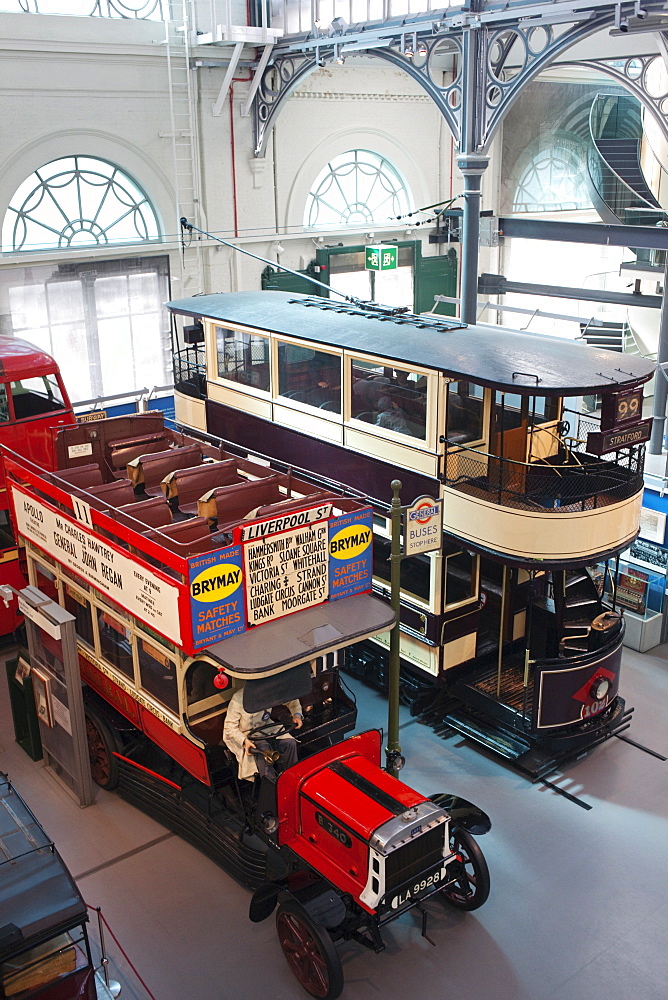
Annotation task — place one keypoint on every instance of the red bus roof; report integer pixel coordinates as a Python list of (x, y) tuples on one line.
[(21, 359)]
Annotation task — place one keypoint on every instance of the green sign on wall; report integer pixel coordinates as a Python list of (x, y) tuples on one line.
[(382, 258)]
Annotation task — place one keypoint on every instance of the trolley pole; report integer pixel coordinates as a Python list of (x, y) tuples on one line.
[(393, 750)]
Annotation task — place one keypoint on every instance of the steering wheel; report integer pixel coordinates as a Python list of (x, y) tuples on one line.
[(278, 729), (564, 428)]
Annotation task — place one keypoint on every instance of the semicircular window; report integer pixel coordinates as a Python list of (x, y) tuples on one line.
[(77, 201), (356, 188), (555, 180)]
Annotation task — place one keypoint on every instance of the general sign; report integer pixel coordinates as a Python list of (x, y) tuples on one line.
[(423, 526), (381, 258)]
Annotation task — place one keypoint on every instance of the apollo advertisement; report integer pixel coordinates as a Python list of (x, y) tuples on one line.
[(277, 567), (217, 596), (137, 590)]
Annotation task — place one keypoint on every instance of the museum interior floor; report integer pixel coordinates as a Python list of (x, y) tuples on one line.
[(578, 908)]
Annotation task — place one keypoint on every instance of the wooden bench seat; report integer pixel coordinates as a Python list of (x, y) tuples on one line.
[(125, 450), (82, 476), (148, 471), (154, 512), (186, 538), (226, 504), (186, 486), (294, 503), (115, 494)]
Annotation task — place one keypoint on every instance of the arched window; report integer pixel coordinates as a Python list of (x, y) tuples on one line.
[(77, 201), (357, 188), (554, 179)]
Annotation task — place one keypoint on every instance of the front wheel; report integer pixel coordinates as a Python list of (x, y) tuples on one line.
[(310, 951), (471, 887)]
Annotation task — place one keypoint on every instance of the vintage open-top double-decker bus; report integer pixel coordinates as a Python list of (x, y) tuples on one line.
[(191, 572), (534, 444)]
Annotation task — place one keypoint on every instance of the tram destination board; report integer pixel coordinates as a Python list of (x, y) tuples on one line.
[(600, 442)]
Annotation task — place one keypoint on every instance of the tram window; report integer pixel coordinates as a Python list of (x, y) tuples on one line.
[(78, 606), (393, 398), (4, 403), (7, 540), (461, 577), (308, 376), (157, 673), (243, 357), (415, 570), (32, 396), (543, 409), (116, 643), (465, 412)]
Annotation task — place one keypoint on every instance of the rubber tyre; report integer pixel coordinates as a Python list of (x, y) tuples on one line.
[(476, 873), (309, 950), (102, 742)]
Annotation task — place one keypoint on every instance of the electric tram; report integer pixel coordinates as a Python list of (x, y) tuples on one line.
[(510, 633), (192, 572), (33, 404)]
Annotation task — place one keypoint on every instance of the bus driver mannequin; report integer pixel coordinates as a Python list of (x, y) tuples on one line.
[(239, 722)]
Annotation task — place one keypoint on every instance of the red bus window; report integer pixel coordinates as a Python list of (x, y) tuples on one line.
[(34, 396)]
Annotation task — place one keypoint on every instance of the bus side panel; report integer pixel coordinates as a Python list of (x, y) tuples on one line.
[(176, 746), (368, 475), (109, 691)]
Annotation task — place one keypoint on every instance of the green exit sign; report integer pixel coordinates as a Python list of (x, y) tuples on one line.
[(383, 258)]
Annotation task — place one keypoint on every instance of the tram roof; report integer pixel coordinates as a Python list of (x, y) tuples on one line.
[(488, 355)]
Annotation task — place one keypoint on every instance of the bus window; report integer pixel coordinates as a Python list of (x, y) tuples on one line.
[(243, 357), (415, 570), (461, 576), (116, 643), (393, 398), (157, 674), (465, 412), (78, 606), (309, 376), (4, 404), (32, 396), (46, 581), (199, 683)]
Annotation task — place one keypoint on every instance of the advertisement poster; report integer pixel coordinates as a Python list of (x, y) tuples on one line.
[(286, 572), (135, 588), (350, 554), (216, 596)]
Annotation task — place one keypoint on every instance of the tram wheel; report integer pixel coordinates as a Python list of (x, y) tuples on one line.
[(309, 950), (472, 887), (102, 742)]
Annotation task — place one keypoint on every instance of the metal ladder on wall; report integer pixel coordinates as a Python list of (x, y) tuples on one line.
[(185, 145)]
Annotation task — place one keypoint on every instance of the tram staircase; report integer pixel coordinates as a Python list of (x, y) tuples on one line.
[(186, 172), (617, 185), (465, 706)]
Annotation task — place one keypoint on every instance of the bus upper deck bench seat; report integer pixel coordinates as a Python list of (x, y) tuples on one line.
[(186, 538), (115, 494), (225, 505), (125, 450), (154, 512), (186, 486), (82, 476), (293, 504), (147, 472)]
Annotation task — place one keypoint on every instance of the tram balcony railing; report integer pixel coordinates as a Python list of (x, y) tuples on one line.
[(560, 484), (190, 371)]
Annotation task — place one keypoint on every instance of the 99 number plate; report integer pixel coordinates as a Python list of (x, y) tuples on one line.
[(419, 886)]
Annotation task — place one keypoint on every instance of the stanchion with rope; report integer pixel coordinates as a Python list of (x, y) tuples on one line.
[(113, 986)]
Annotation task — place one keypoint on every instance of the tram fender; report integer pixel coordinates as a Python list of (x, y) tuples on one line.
[(463, 814)]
